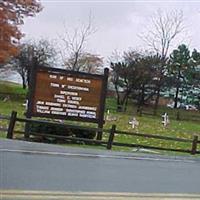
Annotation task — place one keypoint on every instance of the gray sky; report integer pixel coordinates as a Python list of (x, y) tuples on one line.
[(118, 23)]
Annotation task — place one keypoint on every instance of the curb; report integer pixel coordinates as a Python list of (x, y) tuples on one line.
[(44, 195)]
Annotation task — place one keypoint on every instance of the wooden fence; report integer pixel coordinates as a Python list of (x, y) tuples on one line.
[(112, 132)]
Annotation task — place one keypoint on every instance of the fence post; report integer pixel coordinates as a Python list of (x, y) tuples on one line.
[(26, 132), (11, 124), (194, 145), (111, 137)]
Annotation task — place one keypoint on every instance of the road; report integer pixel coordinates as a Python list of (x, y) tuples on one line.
[(34, 166)]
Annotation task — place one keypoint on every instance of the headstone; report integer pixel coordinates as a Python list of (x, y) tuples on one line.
[(165, 119), (134, 122)]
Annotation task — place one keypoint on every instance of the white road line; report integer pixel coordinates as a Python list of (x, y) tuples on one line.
[(20, 194), (86, 155)]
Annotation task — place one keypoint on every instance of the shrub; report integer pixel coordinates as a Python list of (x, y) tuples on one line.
[(51, 129), (84, 133)]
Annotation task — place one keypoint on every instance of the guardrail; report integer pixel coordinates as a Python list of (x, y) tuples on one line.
[(111, 135)]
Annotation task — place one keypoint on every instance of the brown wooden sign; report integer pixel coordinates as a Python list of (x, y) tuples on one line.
[(63, 94)]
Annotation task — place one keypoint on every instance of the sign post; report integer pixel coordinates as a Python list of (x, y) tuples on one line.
[(31, 89), (102, 102)]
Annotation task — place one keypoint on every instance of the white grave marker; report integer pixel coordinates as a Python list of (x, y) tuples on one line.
[(134, 122), (165, 119)]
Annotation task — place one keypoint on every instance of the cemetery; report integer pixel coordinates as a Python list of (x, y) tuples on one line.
[(144, 97), (99, 100), (121, 131)]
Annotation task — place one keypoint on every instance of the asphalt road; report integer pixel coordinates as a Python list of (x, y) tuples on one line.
[(34, 166)]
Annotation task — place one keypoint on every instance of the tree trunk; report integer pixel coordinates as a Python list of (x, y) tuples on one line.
[(75, 62), (176, 97), (121, 106), (177, 90), (139, 110), (122, 101), (119, 103), (141, 101), (177, 115), (156, 101), (24, 84), (143, 95), (23, 81), (159, 84), (126, 103)]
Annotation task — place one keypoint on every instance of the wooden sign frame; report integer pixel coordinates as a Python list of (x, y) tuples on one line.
[(32, 92)]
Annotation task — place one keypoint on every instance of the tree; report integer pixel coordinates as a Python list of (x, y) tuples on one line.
[(179, 68), (135, 76), (146, 82), (195, 68), (123, 77), (195, 76), (87, 62), (195, 58), (12, 14), (74, 43), (165, 28), (42, 51), (121, 73)]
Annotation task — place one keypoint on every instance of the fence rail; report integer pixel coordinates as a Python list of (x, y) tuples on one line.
[(111, 135), (153, 136)]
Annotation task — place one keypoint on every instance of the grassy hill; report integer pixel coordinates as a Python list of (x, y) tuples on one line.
[(12, 88)]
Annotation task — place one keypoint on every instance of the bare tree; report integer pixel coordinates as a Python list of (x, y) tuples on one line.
[(159, 38), (74, 42), (165, 28), (42, 51), (116, 56)]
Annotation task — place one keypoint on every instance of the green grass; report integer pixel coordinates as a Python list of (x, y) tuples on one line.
[(148, 124), (11, 91), (12, 97), (12, 88)]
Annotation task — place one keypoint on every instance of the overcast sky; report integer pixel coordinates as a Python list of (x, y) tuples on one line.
[(118, 23)]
